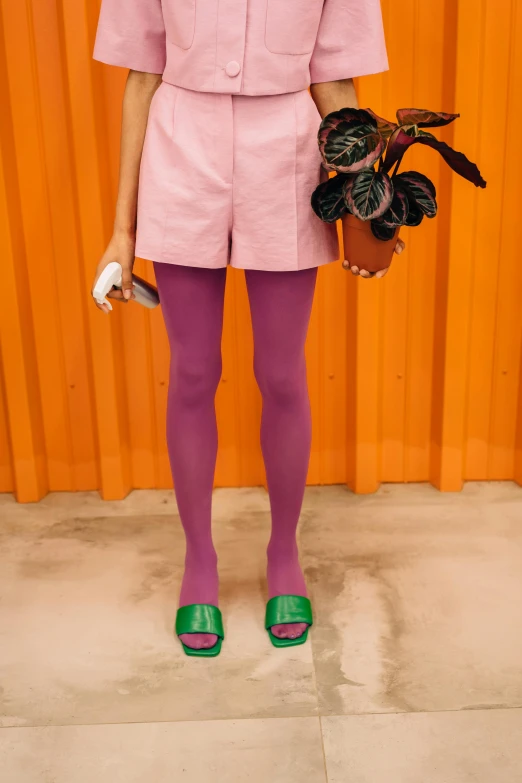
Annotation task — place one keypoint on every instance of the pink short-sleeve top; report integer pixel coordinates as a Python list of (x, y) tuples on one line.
[(249, 47)]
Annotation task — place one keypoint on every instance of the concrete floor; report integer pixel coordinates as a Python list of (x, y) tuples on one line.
[(413, 672)]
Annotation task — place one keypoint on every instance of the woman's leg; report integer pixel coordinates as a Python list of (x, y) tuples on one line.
[(192, 303), (281, 304)]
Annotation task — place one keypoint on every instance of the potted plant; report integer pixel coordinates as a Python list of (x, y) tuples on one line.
[(368, 191)]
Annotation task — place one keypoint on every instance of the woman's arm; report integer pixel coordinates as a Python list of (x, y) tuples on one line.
[(139, 91), (332, 96)]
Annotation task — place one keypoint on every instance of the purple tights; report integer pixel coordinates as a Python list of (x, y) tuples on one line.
[(280, 303)]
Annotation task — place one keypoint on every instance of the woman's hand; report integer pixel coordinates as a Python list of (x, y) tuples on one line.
[(120, 249), (333, 96), (399, 247), (139, 91)]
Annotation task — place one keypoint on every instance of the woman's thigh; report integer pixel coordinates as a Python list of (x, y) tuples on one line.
[(192, 301), (280, 306)]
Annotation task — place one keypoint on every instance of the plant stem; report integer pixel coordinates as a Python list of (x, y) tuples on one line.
[(394, 172)]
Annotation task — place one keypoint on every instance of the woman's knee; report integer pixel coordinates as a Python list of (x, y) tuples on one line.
[(285, 384), (193, 382)]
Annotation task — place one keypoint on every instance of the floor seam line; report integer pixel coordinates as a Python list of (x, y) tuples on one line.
[(272, 717), (233, 719), (323, 748)]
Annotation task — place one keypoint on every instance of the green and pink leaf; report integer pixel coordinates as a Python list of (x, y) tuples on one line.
[(419, 189), (328, 199), (369, 194), (349, 140), (397, 212)]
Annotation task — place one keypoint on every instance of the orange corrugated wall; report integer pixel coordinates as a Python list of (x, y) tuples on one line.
[(415, 378)]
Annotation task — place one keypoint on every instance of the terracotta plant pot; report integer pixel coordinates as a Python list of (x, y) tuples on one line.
[(362, 249)]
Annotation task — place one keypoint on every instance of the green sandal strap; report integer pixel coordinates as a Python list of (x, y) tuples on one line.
[(200, 618), (288, 609)]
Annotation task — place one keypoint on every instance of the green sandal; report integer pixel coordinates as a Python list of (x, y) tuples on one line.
[(200, 618), (288, 609)]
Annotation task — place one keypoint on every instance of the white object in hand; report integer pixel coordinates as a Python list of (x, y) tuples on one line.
[(111, 276), (145, 293)]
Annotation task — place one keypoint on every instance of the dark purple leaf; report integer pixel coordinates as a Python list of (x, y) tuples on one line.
[(456, 160), (369, 194), (419, 189), (425, 118), (415, 214), (412, 130), (382, 231), (349, 140), (385, 127), (397, 212), (348, 114), (328, 199)]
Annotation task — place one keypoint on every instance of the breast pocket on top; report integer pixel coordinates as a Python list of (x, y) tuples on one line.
[(180, 21), (292, 25)]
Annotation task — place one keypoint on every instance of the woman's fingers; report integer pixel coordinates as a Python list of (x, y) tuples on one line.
[(399, 247), (121, 250), (355, 270), (364, 272), (114, 293), (126, 282), (117, 293)]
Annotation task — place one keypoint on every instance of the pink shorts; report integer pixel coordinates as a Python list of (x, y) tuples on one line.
[(227, 179)]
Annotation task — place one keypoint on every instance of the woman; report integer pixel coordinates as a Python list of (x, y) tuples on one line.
[(219, 159)]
